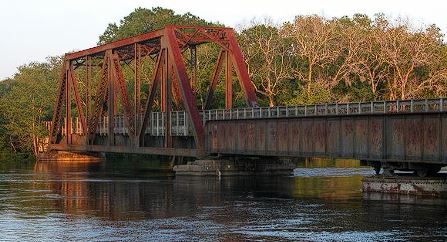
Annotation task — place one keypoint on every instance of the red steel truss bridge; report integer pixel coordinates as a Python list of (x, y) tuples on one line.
[(114, 114)]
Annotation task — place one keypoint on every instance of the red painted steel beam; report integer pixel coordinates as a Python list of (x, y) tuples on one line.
[(68, 125), (137, 86), (115, 44), (100, 98), (188, 97), (241, 70), (215, 77), (151, 97), (138, 39), (121, 84), (57, 112), (228, 82)]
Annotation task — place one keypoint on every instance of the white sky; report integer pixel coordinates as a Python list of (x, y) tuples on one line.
[(31, 30)]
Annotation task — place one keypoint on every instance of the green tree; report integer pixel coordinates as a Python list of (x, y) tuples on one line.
[(28, 103), (268, 59), (143, 20)]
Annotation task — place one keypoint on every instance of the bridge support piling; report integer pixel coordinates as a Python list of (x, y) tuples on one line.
[(73, 157), (235, 167), (433, 186)]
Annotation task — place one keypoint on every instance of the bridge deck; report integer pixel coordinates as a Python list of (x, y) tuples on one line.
[(180, 125), (393, 131)]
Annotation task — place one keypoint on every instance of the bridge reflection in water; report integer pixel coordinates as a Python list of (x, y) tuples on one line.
[(105, 202), (100, 190)]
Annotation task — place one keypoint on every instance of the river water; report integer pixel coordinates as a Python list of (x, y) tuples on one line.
[(127, 201)]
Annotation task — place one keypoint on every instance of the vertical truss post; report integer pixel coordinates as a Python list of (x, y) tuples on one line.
[(57, 112), (137, 87), (193, 64), (116, 93), (228, 82), (87, 89), (175, 90), (111, 99), (166, 99), (163, 88), (67, 104)]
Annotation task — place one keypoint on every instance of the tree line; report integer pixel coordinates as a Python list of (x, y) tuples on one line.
[(311, 59)]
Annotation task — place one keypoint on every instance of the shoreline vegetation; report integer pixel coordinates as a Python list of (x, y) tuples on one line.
[(309, 59)]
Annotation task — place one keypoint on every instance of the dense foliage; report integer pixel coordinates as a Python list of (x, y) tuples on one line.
[(144, 20), (26, 101), (311, 59)]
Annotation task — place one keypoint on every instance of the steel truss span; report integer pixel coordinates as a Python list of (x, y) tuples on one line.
[(115, 114), (93, 81)]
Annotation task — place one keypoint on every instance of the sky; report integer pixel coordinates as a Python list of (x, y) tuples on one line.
[(31, 30)]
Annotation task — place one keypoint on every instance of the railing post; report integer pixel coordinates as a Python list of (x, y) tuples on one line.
[(305, 110), (77, 125), (152, 123), (269, 112), (384, 106), (347, 108), (360, 108), (178, 121), (64, 127), (169, 121), (441, 105), (411, 105), (186, 121), (157, 123), (372, 107), (277, 112), (397, 106), (426, 105)]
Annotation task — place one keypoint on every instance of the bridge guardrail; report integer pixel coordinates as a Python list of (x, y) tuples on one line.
[(180, 124)]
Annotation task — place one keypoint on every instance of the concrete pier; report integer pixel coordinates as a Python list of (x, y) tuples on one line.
[(432, 186), (235, 167), (63, 156)]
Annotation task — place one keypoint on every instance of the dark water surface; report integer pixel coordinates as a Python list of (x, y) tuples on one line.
[(116, 201)]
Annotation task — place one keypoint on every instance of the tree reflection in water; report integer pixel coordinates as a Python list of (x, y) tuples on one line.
[(106, 198)]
